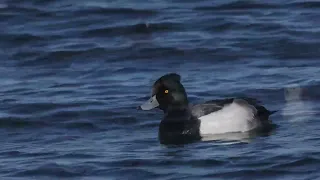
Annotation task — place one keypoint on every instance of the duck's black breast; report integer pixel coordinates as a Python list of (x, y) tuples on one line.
[(179, 131)]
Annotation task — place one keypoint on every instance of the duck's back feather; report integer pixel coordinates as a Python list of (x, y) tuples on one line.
[(215, 105), (230, 115)]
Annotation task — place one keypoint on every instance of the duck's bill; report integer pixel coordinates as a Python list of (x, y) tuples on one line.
[(150, 104)]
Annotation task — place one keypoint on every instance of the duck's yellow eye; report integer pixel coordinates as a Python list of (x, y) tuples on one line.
[(166, 91)]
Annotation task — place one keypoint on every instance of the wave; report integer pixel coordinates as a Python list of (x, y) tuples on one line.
[(73, 116), (3, 6), (16, 122), (141, 28), (12, 10), (60, 56), (248, 5), (115, 11), (55, 170), (20, 154), (305, 4), (297, 164), (159, 162), (89, 125), (237, 5), (21, 38), (73, 155)]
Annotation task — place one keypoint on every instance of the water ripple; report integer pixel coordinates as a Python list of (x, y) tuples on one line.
[(55, 170)]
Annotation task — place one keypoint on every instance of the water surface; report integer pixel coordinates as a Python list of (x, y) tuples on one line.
[(73, 72)]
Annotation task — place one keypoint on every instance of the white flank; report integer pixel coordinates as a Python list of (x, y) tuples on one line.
[(235, 117)]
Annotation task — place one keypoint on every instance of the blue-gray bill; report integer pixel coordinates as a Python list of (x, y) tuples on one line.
[(150, 104)]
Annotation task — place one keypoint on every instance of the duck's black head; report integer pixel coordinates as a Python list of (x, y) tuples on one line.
[(167, 93), (178, 125)]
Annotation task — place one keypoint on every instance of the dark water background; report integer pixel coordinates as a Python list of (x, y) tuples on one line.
[(73, 72)]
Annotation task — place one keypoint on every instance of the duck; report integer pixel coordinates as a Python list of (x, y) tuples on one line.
[(185, 123)]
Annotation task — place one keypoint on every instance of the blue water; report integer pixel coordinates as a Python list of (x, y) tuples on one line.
[(73, 72)]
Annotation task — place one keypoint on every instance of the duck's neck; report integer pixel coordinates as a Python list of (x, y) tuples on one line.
[(178, 112)]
